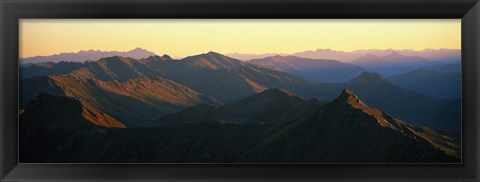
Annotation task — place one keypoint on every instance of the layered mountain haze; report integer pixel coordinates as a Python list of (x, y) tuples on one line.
[(410, 106), (439, 55), (447, 68), (316, 70), (329, 54), (344, 130), (387, 62), (247, 57), (392, 64), (433, 83)]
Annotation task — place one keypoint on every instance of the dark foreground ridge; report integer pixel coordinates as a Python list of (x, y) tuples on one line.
[(344, 130)]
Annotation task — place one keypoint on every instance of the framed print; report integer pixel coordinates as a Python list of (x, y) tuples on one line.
[(231, 90)]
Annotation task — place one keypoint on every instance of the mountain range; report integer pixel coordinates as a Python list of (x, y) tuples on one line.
[(435, 83), (316, 70), (215, 75), (214, 108), (83, 56), (392, 64), (345, 130), (417, 108), (440, 55), (228, 80), (134, 103)]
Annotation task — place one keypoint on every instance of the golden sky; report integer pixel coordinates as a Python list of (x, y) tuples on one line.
[(184, 37)]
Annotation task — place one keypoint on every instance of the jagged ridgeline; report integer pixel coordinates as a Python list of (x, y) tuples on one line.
[(211, 108)]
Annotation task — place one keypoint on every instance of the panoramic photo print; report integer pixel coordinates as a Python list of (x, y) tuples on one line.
[(240, 91)]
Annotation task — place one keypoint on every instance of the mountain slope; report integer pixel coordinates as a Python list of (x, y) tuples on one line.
[(264, 107), (213, 61), (135, 102), (115, 68), (48, 68), (348, 131), (455, 67), (391, 64), (227, 79), (56, 111), (406, 105), (316, 70), (433, 83)]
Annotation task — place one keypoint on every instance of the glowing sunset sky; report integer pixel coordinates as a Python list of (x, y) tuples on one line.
[(180, 38)]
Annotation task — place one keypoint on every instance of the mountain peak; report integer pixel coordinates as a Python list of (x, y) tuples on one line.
[(394, 55), (348, 96), (139, 49), (166, 57), (215, 54), (212, 52), (367, 78), (213, 60), (370, 58)]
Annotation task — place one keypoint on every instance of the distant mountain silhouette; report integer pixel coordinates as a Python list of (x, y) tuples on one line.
[(413, 107), (248, 57), (391, 64), (437, 55), (134, 103), (345, 130), (375, 59), (433, 83), (398, 58), (83, 56), (316, 70), (343, 56)]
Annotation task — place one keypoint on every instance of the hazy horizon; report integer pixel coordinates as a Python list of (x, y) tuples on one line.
[(243, 53), (185, 37)]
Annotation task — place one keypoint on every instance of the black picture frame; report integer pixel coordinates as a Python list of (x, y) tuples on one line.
[(467, 10)]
